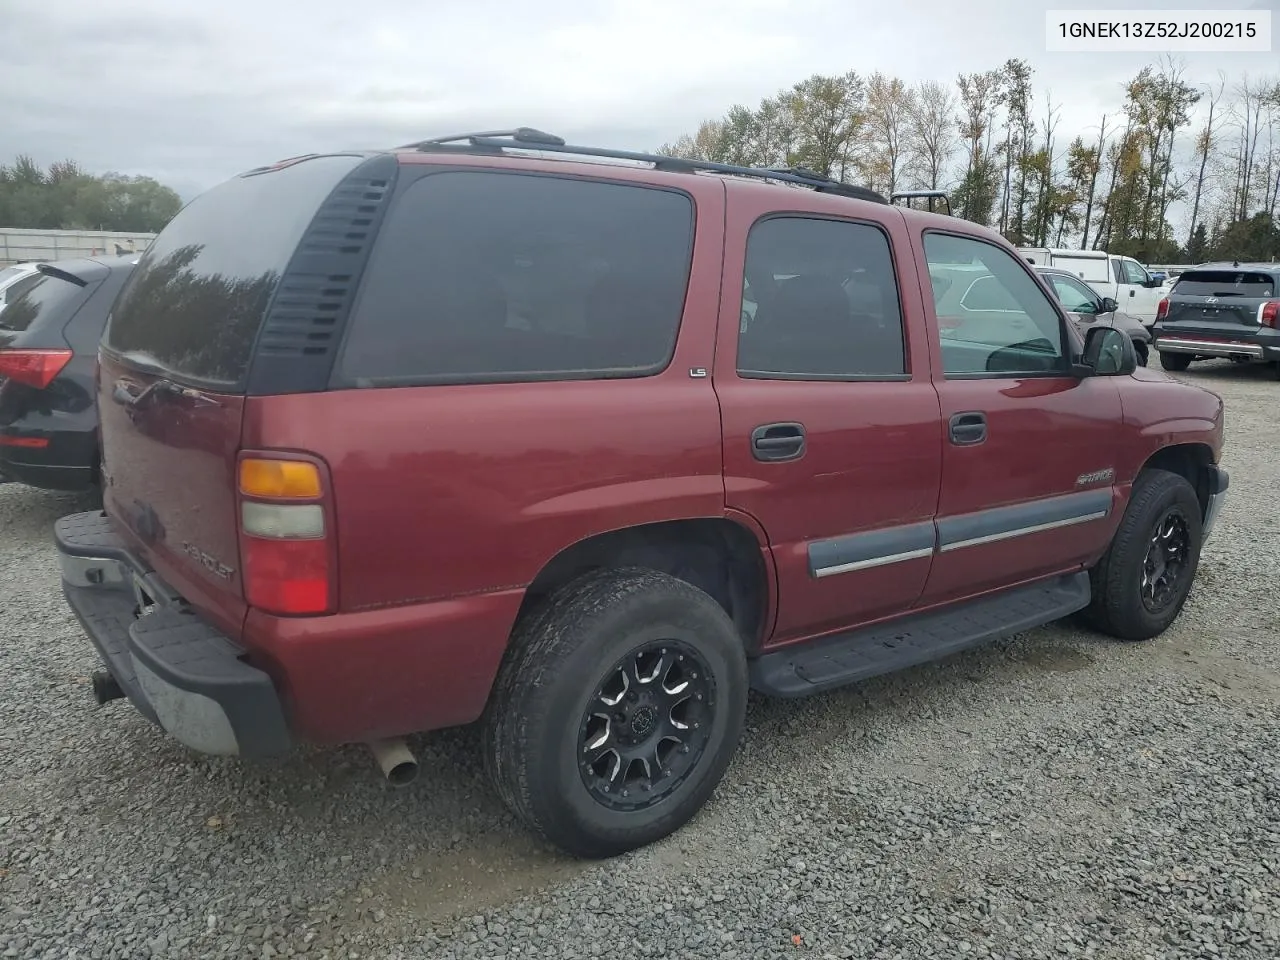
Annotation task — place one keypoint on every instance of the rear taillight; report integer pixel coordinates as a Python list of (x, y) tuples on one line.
[(285, 541), (1162, 308), (35, 368), (1269, 314)]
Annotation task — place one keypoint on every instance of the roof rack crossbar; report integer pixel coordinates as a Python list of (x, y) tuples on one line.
[(525, 138), (524, 134)]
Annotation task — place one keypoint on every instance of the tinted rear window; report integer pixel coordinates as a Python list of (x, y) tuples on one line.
[(197, 297), (490, 277), (1225, 283), (41, 299)]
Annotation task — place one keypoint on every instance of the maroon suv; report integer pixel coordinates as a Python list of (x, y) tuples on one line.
[(585, 444)]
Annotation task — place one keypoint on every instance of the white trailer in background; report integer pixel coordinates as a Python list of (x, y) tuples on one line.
[(1123, 279), (26, 246)]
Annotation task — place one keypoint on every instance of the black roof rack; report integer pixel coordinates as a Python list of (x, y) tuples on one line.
[(936, 198), (527, 138)]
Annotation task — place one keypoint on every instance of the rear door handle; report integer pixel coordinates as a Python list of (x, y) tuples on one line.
[(968, 428), (774, 442)]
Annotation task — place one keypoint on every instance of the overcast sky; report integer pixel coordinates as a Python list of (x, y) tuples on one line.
[(191, 92)]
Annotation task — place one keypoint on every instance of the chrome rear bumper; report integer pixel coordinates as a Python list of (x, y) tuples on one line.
[(1209, 348)]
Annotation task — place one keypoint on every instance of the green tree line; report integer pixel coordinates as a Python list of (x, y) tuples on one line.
[(65, 197), (1209, 149)]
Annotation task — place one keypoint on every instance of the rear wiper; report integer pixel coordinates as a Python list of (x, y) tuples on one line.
[(122, 395)]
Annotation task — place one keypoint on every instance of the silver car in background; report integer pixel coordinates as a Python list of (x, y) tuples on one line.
[(1087, 309)]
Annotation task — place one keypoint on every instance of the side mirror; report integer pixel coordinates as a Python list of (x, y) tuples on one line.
[(1108, 352), (1152, 283), (1108, 305)]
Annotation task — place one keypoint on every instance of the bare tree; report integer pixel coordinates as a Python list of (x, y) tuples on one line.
[(932, 131), (1045, 200), (885, 131), (1205, 145), (1088, 166)]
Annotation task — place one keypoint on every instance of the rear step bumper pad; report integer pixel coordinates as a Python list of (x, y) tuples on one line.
[(885, 648), (176, 670)]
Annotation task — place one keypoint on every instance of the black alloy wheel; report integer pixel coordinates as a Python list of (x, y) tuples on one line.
[(646, 726), (1166, 561)]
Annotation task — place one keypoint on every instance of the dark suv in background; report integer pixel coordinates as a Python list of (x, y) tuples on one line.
[(49, 332), (1221, 310)]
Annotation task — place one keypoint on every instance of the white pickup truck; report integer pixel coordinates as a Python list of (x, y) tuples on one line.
[(1123, 279)]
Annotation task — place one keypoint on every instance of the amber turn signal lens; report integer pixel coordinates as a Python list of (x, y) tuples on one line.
[(287, 479)]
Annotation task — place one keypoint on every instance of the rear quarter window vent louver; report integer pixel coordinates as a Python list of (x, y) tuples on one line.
[(304, 323)]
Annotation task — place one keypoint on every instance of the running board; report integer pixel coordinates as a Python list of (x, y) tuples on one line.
[(869, 651)]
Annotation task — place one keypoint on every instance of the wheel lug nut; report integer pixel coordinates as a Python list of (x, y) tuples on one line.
[(684, 748), (697, 696), (625, 793)]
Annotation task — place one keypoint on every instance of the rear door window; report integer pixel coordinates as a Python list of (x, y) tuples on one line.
[(486, 277), (1226, 283), (194, 304), (820, 303)]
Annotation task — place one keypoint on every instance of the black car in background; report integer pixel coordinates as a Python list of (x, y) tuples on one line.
[(49, 333), (1227, 310)]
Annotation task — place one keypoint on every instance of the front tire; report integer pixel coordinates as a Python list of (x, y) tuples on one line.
[(1177, 362), (616, 711), (1143, 580)]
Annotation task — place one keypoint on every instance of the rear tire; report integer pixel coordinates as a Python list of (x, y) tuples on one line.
[(1143, 353), (1144, 578), (1176, 362), (616, 711)]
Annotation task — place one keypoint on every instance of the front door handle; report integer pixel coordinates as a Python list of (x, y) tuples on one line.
[(774, 442), (968, 428)]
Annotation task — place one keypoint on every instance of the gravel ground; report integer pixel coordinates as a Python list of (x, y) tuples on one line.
[(1057, 795)]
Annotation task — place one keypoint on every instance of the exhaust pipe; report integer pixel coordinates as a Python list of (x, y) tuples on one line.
[(398, 764), (105, 687)]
